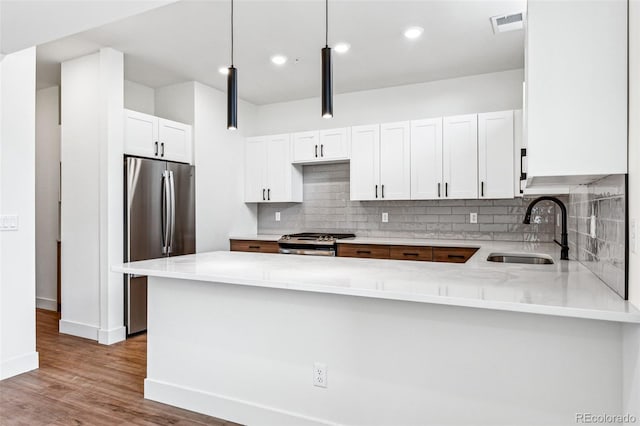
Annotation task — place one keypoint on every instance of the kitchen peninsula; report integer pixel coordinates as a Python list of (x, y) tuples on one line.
[(239, 335)]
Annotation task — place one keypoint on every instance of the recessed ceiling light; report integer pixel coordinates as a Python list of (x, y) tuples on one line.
[(342, 47), (279, 59), (223, 70), (413, 32)]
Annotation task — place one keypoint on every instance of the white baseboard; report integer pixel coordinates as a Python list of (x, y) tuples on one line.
[(223, 407), (48, 304), (18, 365), (78, 329), (109, 337)]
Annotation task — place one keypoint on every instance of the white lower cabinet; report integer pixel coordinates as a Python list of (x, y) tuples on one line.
[(460, 156), (321, 146), (153, 137), (380, 162), (269, 174), (426, 159)]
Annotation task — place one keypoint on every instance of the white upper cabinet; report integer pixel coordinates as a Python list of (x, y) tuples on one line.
[(321, 146), (335, 144), (365, 162), (175, 140), (380, 162), (496, 155), (426, 159), (460, 156), (269, 174), (576, 91), (395, 161), (154, 137), (306, 146)]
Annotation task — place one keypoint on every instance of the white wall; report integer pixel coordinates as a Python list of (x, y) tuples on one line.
[(176, 102), (631, 360), (92, 209), (17, 197), (139, 97), (47, 193), (220, 208), (479, 93)]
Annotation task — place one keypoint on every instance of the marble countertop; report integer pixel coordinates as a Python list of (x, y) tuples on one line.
[(256, 237), (565, 288)]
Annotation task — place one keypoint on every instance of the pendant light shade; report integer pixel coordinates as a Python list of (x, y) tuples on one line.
[(232, 98), (232, 88), (327, 73), (327, 83)]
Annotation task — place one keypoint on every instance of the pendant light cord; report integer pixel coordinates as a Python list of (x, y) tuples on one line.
[(326, 22), (231, 32)]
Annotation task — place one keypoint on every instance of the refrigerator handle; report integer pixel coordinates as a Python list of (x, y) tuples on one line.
[(172, 210), (165, 212)]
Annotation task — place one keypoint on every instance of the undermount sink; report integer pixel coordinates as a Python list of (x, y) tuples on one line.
[(531, 259)]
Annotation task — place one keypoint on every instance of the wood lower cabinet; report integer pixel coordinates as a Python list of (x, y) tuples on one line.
[(369, 251), (411, 253), (453, 254), (255, 246), (397, 252)]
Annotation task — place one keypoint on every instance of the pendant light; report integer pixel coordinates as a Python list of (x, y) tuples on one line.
[(327, 74), (232, 88)]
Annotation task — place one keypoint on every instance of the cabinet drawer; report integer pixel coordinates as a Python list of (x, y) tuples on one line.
[(254, 246), (363, 250), (453, 254), (411, 253)]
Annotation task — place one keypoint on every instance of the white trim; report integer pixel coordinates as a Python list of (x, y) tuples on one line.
[(18, 365), (109, 337), (224, 407), (78, 329), (48, 304)]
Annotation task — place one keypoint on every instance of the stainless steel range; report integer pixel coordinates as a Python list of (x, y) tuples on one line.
[(311, 243)]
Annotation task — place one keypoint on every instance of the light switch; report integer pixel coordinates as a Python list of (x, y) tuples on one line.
[(385, 217), (8, 223), (277, 216)]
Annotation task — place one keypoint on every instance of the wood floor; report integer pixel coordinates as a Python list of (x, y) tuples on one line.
[(81, 382)]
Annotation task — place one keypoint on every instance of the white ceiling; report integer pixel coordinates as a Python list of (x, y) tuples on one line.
[(189, 40)]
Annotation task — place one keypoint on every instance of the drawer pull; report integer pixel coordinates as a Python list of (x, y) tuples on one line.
[(254, 247), (363, 251), (456, 256), (411, 254)]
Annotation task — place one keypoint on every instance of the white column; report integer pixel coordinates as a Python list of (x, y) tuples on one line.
[(17, 197)]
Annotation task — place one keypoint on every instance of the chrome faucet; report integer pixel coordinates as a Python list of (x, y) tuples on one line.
[(564, 255)]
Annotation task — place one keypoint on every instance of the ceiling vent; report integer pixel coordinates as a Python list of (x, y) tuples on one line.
[(505, 23)]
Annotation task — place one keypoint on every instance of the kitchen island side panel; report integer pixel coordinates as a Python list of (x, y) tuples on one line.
[(246, 354)]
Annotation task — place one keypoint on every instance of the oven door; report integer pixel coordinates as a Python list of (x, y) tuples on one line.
[(307, 249)]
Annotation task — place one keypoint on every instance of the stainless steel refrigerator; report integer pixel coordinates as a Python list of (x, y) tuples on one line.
[(159, 221)]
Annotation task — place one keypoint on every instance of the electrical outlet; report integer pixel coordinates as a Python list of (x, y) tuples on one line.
[(473, 217), (320, 374), (633, 236), (592, 226), (385, 217), (277, 216)]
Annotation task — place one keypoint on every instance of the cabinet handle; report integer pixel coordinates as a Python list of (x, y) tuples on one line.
[(456, 256), (410, 254), (162, 149), (263, 191), (269, 194), (438, 189), (376, 191), (321, 150), (363, 252), (316, 151), (446, 189), (156, 150), (383, 191), (255, 247), (482, 189)]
